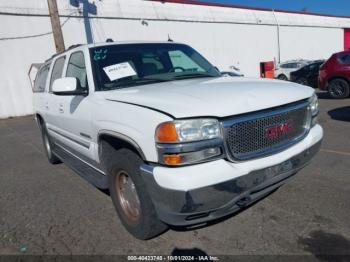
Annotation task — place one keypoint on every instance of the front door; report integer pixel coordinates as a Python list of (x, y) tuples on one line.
[(75, 112)]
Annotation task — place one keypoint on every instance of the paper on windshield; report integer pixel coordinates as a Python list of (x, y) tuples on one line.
[(120, 70)]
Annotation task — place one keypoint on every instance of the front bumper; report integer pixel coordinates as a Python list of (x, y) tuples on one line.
[(189, 207)]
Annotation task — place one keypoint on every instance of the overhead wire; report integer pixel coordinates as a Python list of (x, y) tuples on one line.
[(35, 35)]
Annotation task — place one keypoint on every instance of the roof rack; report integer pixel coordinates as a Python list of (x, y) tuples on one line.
[(69, 48)]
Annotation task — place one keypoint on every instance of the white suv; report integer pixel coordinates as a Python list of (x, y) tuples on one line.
[(283, 70), (173, 141)]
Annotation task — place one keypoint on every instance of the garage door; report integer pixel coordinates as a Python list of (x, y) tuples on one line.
[(346, 39)]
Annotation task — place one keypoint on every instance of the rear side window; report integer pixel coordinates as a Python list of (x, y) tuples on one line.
[(40, 79), (285, 66), (344, 59), (57, 70), (76, 68)]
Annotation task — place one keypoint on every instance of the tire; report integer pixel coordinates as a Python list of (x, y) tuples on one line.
[(129, 193), (338, 88), (48, 145), (302, 81), (282, 77)]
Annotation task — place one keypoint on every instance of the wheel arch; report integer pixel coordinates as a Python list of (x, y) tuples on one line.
[(118, 141), (39, 119), (282, 74), (337, 77)]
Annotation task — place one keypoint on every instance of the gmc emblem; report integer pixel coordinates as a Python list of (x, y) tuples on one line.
[(276, 131)]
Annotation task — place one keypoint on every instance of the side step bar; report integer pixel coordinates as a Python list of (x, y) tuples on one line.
[(95, 177)]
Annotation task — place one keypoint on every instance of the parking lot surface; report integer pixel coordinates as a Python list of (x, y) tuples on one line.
[(47, 209)]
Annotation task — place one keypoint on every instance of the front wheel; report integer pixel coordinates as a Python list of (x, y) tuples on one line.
[(282, 77), (129, 194), (338, 88)]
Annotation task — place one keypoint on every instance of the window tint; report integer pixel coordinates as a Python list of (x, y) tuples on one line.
[(40, 79), (345, 59), (76, 68), (153, 64), (284, 66), (127, 65), (180, 60), (57, 70)]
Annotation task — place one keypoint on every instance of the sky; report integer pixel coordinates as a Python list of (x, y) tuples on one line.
[(332, 7)]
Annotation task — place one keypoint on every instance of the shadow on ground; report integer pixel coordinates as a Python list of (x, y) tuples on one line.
[(326, 246), (193, 252), (340, 114)]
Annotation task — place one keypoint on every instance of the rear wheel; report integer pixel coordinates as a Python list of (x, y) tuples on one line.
[(129, 194), (282, 77), (48, 145), (338, 88)]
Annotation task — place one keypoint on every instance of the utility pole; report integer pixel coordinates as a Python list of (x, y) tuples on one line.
[(56, 26)]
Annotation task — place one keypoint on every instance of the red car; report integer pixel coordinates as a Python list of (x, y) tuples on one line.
[(334, 75)]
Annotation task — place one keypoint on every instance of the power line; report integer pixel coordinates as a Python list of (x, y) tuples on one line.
[(31, 36)]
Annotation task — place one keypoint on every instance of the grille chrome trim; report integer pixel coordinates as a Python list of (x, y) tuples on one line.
[(228, 123)]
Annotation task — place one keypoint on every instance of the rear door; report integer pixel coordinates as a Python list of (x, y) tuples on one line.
[(51, 101), (39, 87), (313, 74)]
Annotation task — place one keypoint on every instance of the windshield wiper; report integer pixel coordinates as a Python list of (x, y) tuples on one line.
[(193, 75), (139, 81)]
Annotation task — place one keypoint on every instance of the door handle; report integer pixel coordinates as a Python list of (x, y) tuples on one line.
[(61, 108)]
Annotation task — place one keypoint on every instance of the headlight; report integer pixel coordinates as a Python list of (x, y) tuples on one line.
[(183, 142), (188, 130), (314, 105)]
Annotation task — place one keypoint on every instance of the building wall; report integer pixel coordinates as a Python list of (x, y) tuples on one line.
[(227, 37)]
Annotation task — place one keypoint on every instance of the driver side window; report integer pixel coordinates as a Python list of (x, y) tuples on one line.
[(76, 68)]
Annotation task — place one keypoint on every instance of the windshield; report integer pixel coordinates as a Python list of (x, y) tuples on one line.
[(126, 65)]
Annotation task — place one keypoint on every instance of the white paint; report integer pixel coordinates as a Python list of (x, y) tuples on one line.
[(119, 71), (217, 97), (211, 173), (225, 36), (65, 84)]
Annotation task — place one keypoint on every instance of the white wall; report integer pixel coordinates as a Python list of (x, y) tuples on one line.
[(218, 33), (310, 43)]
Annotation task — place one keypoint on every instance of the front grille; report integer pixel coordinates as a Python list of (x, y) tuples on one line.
[(260, 134)]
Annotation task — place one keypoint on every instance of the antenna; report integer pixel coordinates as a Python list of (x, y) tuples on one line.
[(169, 39)]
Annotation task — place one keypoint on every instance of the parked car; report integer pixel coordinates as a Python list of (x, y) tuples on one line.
[(335, 75), (173, 141), (307, 75), (283, 70)]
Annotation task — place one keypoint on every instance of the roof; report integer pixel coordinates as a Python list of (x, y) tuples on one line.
[(129, 43), (191, 2), (109, 44)]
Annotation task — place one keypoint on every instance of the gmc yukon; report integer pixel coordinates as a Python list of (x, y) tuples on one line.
[(173, 141)]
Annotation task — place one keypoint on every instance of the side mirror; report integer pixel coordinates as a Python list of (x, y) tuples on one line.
[(68, 86)]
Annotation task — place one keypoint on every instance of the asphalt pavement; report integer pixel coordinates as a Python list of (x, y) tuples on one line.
[(50, 210)]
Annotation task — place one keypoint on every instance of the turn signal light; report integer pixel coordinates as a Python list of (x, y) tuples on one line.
[(172, 159), (166, 133)]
